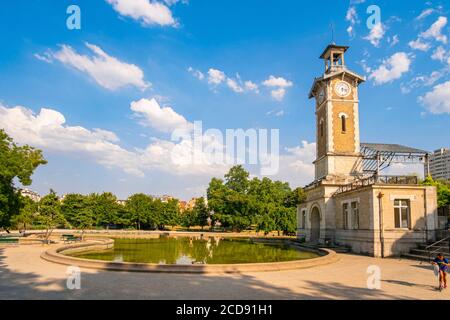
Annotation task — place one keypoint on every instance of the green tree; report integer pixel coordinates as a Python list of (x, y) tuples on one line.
[(295, 198), (71, 206), (201, 212), (123, 217), (85, 219), (237, 179), (28, 211), (240, 203), (139, 207), (105, 209), (188, 219), (78, 211), (169, 215), (16, 162), (443, 191), (49, 213), (265, 223)]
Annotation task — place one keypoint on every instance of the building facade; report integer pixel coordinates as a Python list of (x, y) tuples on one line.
[(30, 194), (345, 206), (440, 164)]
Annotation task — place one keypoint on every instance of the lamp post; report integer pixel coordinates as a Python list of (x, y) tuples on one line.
[(380, 205)]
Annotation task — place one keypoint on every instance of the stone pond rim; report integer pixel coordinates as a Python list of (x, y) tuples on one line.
[(59, 255)]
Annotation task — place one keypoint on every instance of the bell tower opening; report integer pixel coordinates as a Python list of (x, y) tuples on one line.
[(334, 57)]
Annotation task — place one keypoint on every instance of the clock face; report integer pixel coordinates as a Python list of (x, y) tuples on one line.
[(343, 89)]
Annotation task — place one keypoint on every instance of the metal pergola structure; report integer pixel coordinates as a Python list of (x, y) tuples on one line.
[(378, 156)]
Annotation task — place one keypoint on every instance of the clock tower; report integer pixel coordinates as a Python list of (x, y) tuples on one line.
[(337, 119)]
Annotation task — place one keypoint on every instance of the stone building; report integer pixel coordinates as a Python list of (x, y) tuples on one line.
[(350, 203), (30, 194)]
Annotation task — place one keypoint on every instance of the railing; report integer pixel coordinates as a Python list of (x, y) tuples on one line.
[(390, 180), (431, 252)]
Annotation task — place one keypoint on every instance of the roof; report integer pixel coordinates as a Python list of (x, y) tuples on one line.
[(392, 148), (333, 46), (338, 72)]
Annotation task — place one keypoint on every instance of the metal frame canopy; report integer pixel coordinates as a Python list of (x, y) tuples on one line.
[(379, 156)]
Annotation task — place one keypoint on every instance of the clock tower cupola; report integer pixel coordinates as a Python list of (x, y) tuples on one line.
[(337, 118)]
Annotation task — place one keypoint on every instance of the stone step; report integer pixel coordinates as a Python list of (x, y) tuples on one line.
[(418, 257), (444, 248), (338, 249), (419, 252)]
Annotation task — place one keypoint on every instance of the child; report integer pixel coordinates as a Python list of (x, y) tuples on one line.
[(443, 267)]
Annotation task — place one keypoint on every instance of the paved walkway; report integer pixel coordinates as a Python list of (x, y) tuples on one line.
[(23, 275)]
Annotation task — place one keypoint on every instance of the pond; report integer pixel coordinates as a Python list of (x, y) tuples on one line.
[(198, 250)]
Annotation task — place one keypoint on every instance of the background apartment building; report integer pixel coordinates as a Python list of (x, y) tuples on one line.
[(440, 164)]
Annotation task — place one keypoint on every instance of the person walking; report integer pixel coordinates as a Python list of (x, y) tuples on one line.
[(443, 265)]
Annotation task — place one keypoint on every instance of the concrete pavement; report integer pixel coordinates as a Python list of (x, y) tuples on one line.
[(24, 275)]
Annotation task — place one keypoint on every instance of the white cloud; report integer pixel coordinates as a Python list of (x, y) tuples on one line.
[(46, 57), (391, 69), (419, 45), (425, 13), (278, 85), (48, 130), (435, 31), (296, 165), (233, 85), (277, 82), (216, 77), (276, 113), (147, 12), (107, 71), (196, 73), (352, 18), (439, 54), (278, 94), (163, 119), (395, 39), (351, 15), (437, 101), (251, 86), (422, 81), (376, 34)]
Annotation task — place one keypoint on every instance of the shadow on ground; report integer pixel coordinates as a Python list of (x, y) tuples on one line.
[(125, 285)]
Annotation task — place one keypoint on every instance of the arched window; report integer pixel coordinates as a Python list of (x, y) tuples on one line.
[(344, 118), (344, 123), (303, 220), (321, 128)]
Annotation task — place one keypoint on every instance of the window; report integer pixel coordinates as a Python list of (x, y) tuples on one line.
[(303, 222), (344, 123), (355, 215), (401, 212), (345, 216), (321, 128)]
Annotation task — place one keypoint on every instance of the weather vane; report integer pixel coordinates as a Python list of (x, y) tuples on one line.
[(332, 32)]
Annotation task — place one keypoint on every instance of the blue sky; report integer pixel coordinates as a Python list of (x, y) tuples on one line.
[(230, 64)]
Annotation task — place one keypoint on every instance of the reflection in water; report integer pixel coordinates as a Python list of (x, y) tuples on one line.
[(118, 257), (198, 250)]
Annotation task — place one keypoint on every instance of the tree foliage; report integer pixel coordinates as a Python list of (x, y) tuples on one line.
[(442, 188), (240, 203), (49, 213), (16, 162), (237, 202)]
